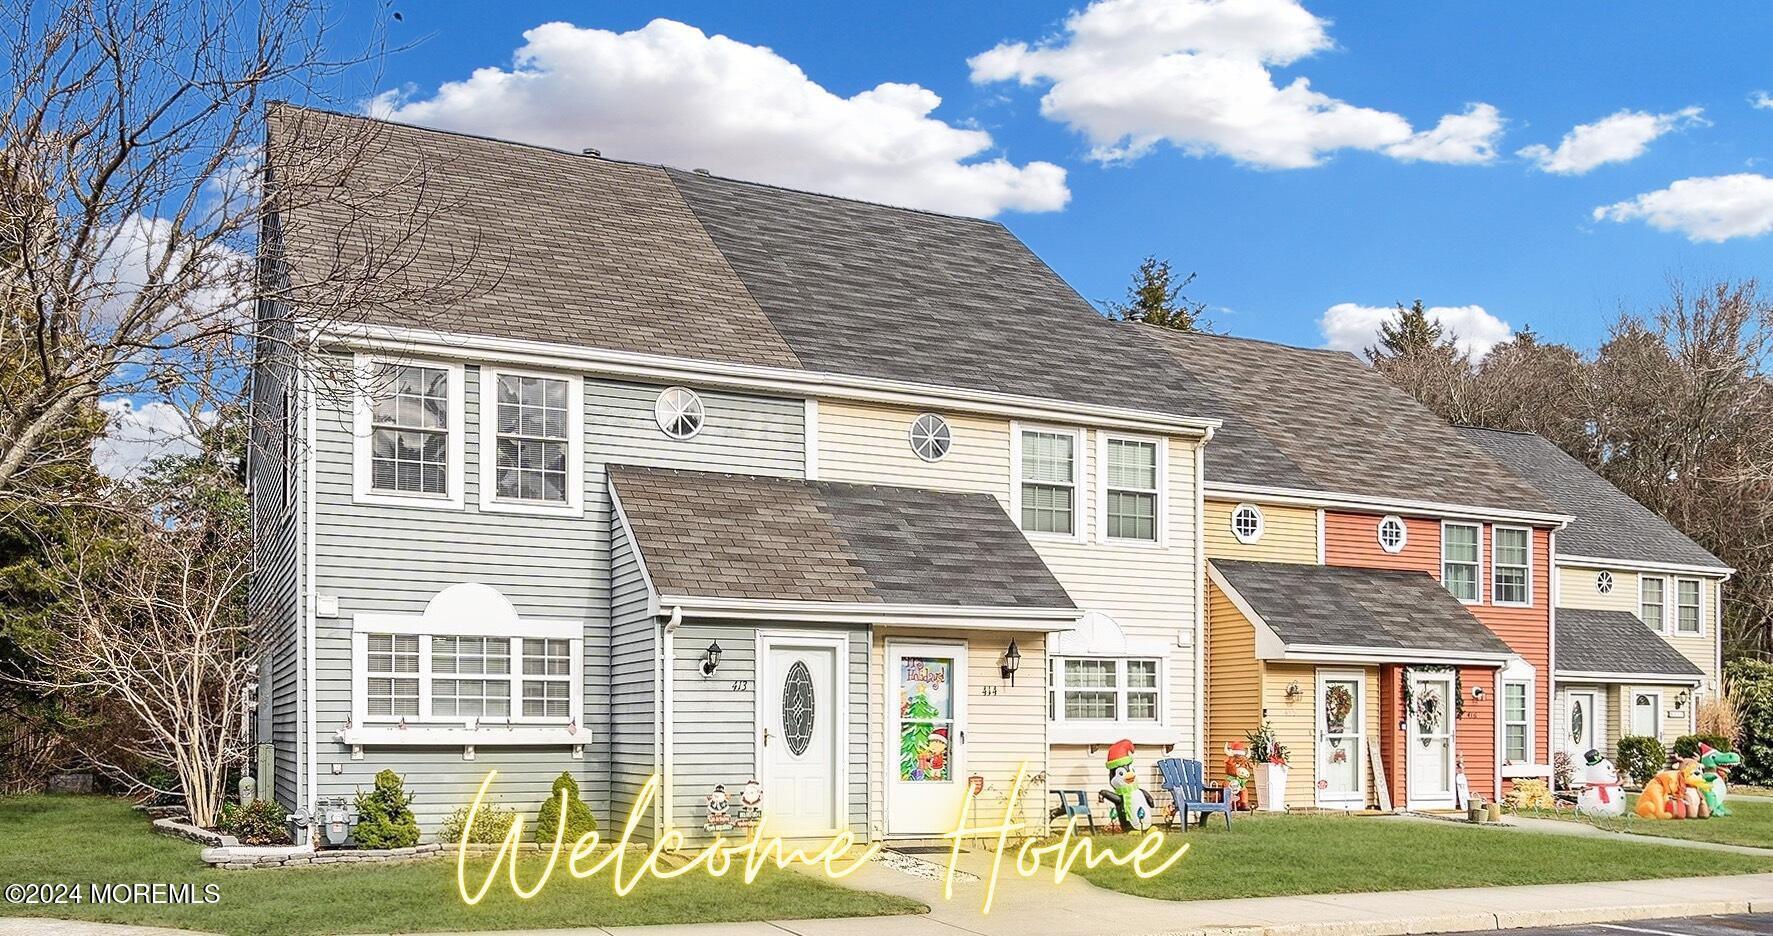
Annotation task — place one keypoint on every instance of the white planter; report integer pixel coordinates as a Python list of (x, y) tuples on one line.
[(1271, 787)]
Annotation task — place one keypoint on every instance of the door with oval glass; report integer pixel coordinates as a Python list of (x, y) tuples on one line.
[(926, 736), (1582, 721), (803, 717)]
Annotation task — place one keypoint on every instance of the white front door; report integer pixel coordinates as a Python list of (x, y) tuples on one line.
[(803, 717), (926, 736), (1431, 741), (1582, 719), (1341, 721)]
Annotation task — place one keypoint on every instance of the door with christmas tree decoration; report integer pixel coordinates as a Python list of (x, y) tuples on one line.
[(926, 736)]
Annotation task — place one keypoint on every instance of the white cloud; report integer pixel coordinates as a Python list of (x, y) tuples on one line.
[(1761, 100), (1619, 137), (1347, 326), (670, 93), (1130, 74), (1459, 138), (1705, 208), (195, 287), (136, 435)]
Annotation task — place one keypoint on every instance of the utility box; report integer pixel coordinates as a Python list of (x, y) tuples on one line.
[(337, 818)]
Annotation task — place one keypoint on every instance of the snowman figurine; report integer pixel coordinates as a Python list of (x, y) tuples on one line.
[(1133, 806), (1601, 795), (719, 811)]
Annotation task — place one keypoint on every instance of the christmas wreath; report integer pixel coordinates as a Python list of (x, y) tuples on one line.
[(1338, 702)]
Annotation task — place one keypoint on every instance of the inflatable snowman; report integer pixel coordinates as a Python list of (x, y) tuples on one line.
[(1601, 794)]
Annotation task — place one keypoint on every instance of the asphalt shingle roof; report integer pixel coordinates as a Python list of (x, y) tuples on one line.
[(1609, 524), (1592, 641), (1338, 606), (1323, 421), (712, 535)]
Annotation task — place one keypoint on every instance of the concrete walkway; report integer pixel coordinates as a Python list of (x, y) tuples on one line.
[(1583, 829)]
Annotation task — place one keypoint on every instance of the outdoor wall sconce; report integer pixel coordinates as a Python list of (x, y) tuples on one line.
[(1680, 701), (711, 659), (1294, 692), (1012, 661), (1477, 692)]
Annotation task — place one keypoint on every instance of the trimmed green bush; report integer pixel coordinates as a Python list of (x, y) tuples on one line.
[(491, 824), (1687, 745), (578, 813), (384, 819), (1750, 684), (260, 822), (1640, 757)]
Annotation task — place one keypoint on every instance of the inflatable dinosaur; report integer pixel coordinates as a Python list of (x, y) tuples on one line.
[(1714, 766), (1675, 794)]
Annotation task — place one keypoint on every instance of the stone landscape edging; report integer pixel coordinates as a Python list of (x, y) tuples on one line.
[(237, 857)]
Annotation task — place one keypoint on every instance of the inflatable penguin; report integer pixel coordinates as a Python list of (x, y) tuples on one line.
[(1133, 806), (1601, 795)]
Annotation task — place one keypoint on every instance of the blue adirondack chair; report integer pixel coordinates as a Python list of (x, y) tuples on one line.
[(1187, 787), (1074, 803)]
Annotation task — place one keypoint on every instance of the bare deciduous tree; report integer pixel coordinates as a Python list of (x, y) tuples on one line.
[(135, 185)]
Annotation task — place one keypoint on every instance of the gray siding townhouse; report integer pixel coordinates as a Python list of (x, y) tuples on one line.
[(578, 520), (1639, 605)]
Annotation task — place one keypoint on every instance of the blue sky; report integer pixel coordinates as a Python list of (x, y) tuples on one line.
[(1469, 224)]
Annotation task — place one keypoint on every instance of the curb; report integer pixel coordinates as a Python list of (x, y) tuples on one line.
[(1482, 920)]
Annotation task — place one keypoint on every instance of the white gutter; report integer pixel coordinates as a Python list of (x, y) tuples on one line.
[(1662, 679), (777, 380), (1306, 498), (1717, 572), (974, 618)]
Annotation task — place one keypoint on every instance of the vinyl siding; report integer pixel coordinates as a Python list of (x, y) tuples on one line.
[(634, 685), (1352, 539), (275, 598), (1607, 726), (1148, 590), (1289, 534), (1527, 630), (1295, 723), (1671, 725), (1003, 731), (1576, 589), (1474, 733), (393, 559), (1234, 677), (714, 723)]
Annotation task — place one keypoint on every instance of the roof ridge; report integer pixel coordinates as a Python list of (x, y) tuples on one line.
[(1188, 334), (665, 167)]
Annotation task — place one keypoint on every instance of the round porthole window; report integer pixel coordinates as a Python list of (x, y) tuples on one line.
[(1246, 523), (1393, 534), (930, 437), (679, 412), (1603, 582)]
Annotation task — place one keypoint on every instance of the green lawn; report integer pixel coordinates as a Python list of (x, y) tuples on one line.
[(45, 839), (1265, 856), (1750, 823)]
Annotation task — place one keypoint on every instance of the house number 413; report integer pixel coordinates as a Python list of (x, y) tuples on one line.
[(741, 685)]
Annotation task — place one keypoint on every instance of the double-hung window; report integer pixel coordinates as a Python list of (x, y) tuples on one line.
[(471, 677), (391, 668), (1512, 559), (1048, 484), (1689, 607), (531, 442), (1101, 689), (1653, 602), (408, 433), (1131, 479), (547, 678), (1515, 722), (1462, 549)]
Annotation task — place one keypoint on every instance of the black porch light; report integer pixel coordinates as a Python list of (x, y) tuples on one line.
[(1012, 661), (711, 659)]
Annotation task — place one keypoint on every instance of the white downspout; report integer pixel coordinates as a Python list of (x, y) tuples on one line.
[(1200, 597), (309, 597), (667, 661)]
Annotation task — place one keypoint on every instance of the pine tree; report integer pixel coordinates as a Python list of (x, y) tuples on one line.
[(1155, 298), (384, 815), (1411, 335), (579, 820)]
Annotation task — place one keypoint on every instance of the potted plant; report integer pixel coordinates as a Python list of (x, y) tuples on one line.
[(1270, 757)]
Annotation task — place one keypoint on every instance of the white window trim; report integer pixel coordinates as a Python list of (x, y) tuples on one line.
[(1660, 627), (1080, 521), (1161, 480), (1261, 524), (425, 729), (911, 437), (490, 502), (1631, 711), (363, 490), (1082, 730), (1379, 533), (1495, 565), (1518, 671), (1674, 621), (1608, 578), (1447, 524), (1527, 720)]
